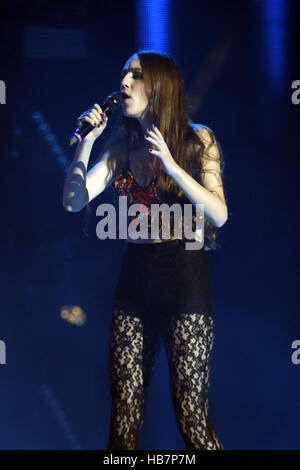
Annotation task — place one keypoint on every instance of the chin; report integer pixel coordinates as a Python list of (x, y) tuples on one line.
[(130, 115)]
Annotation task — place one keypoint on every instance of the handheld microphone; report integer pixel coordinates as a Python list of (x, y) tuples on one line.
[(111, 103)]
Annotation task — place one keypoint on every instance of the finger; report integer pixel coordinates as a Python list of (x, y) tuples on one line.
[(157, 131), (82, 118), (98, 108), (91, 121), (150, 140), (101, 116), (101, 112), (95, 115), (95, 112), (153, 142), (152, 134)]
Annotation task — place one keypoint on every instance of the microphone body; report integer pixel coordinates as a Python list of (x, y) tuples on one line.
[(111, 103)]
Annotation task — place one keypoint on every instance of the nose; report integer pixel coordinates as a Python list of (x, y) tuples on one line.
[(125, 82)]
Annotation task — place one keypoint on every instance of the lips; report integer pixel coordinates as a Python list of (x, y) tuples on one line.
[(126, 99)]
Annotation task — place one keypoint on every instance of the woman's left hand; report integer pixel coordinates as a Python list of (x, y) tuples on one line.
[(161, 151)]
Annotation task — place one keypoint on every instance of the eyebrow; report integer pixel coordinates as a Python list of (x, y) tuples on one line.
[(132, 69)]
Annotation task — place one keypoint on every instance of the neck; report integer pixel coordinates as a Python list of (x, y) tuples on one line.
[(145, 121)]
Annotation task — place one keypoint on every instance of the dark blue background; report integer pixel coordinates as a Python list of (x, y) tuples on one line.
[(54, 386)]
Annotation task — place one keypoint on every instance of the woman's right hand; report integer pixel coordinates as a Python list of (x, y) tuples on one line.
[(97, 118)]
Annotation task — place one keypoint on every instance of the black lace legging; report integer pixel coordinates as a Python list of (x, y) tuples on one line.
[(163, 293)]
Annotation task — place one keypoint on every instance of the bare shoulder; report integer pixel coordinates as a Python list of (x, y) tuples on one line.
[(205, 133), (211, 172)]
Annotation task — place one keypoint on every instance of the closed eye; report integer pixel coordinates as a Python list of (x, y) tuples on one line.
[(136, 76)]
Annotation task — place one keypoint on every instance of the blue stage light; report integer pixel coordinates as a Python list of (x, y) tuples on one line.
[(153, 24), (275, 34)]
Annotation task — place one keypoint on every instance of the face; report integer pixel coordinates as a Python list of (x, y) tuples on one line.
[(133, 85)]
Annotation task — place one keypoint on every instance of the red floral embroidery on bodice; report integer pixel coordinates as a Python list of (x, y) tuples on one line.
[(125, 185)]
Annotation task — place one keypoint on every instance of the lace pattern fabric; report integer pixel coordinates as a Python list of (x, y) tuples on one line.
[(125, 185), (156, 302)]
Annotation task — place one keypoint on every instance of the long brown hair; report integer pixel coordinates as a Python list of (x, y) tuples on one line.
[(168, 110)]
